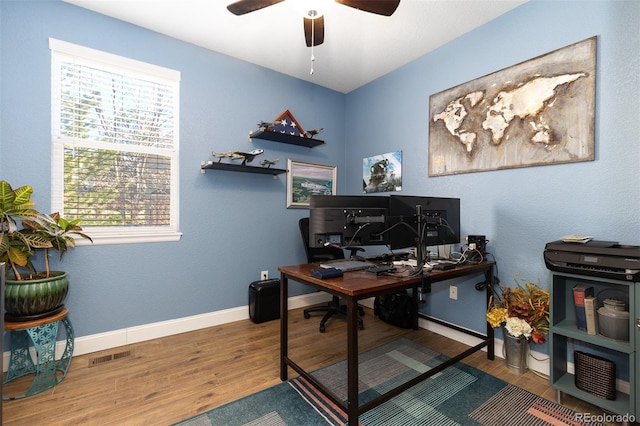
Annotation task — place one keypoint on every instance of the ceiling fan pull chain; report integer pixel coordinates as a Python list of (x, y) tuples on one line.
[(313, 58)]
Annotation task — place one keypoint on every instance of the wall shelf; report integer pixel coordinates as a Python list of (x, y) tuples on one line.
[(285, 138), (213, 165), (266, 135)]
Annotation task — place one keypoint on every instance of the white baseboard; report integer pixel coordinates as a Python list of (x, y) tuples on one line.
[(126, 336), (538, 362)]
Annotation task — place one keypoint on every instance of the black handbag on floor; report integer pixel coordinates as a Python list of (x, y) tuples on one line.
[(396, 309)]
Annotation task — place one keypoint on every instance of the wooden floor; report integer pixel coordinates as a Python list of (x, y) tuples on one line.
[(166, 380)]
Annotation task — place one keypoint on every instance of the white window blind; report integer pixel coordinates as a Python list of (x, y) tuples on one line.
[(115, 144)]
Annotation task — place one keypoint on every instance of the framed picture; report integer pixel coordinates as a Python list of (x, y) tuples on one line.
[(382, 173), (307, 179), (535, 113)]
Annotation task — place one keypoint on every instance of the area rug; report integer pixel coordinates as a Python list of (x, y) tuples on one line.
[(458, 395)]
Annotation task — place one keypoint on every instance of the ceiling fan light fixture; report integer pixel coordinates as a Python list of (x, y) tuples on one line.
[(311, 9)]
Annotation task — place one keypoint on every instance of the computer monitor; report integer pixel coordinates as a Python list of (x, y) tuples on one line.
[(439, 218), (347, 220)]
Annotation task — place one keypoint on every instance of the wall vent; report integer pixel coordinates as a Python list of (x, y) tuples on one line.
[(93, 362)]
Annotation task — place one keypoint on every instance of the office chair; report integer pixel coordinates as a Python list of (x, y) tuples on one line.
[(322, 254)]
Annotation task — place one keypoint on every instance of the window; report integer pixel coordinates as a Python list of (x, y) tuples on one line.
[(115, 144)]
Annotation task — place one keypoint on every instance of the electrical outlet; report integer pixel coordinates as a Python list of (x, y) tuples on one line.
[(264, 275), (453, 292)]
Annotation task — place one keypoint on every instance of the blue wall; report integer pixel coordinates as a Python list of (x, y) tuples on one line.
[(519, 210), (236, 225)]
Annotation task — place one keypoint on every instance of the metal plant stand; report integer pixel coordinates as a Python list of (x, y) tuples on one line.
[(42, 333)]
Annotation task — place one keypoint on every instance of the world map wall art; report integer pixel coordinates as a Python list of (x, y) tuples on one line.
[(538, 112)]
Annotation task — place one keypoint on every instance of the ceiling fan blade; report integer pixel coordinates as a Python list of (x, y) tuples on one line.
[(318, 31), (379, 7), (245, 6)]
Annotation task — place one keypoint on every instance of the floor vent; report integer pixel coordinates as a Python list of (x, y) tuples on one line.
[(93, 362)]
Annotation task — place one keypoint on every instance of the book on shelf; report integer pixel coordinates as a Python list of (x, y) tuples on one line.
[(577, 239), (590, 314), (581, 291)]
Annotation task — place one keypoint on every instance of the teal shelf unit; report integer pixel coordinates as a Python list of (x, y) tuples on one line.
[(564, 333)]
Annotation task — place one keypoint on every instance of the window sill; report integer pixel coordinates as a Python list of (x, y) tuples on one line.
[(114, 237)]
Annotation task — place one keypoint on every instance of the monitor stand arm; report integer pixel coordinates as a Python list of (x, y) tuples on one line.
[(354, 252), (425, 284), (419, 241)]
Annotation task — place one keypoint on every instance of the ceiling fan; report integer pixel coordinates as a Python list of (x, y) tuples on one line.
[(314, 19)]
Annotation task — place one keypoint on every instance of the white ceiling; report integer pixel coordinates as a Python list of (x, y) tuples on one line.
[(358, 46)]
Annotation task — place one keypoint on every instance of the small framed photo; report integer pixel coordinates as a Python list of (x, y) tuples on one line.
[(307, 179)]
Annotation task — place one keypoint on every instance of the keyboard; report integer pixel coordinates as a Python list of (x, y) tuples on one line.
[(347, 265)]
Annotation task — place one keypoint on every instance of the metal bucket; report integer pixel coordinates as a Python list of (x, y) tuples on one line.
[(516, 352)]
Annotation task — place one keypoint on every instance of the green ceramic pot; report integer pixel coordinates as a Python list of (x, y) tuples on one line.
[(28, 299)]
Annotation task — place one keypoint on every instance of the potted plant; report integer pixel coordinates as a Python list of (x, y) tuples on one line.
[(24, 231), (523, 314)]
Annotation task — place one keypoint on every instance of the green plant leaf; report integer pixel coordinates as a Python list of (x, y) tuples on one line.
[(37, 241), (39, 231), (18, 256)]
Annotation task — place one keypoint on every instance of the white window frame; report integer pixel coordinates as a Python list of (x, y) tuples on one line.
[(113, 234)]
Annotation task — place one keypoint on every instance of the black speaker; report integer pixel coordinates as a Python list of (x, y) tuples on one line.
[(264, 300), (480, 241)]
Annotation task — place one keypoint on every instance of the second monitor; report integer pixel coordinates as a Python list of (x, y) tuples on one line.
[(439, 220)]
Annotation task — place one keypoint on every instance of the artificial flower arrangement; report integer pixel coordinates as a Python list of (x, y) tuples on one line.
[(523, 311)]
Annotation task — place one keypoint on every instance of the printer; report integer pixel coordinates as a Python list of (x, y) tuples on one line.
[(605, 259)]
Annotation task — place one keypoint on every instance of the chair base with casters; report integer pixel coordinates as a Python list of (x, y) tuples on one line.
[(331, 309), (323, 254)]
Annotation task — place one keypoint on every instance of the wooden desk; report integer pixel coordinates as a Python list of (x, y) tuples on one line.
[(354, 286)]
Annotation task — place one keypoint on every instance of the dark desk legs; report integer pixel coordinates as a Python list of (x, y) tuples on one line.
[(488, 281), (284, 324), (352, 347), (352, 360), (352, 407)]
